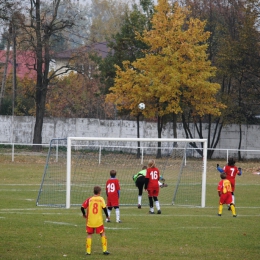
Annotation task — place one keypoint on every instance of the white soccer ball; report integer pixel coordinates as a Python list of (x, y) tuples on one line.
[(141, 106)]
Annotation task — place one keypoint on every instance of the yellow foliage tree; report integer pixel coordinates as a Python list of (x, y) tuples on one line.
[(175, 72)]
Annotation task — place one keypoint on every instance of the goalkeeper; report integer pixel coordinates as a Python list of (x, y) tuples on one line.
[(139, 180)]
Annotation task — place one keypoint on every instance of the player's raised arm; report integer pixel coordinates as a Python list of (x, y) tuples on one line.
[(219, 169)]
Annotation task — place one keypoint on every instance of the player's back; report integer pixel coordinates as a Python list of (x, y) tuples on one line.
[(94, 211), (153, 174), (225, 186), (112, 187), (231, 171)]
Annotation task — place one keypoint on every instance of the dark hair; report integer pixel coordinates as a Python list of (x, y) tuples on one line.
[(97, 190), (231, 162), (113, 173), (223, 175), (144, 167)]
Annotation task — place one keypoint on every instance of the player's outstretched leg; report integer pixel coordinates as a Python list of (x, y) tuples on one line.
[(139, 201)]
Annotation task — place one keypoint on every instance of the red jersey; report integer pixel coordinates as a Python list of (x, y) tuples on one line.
[(231, 172), (153, 174), (94, 206), (112, 191)]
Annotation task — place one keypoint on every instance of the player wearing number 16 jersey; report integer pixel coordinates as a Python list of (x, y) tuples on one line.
[(151, 185), (113, 193)]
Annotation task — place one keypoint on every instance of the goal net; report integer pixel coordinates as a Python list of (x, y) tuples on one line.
[(76, 164)]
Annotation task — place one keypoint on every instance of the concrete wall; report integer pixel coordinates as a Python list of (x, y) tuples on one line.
[(23, 127)]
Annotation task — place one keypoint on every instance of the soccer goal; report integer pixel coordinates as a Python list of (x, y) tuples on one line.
[(76, 164)]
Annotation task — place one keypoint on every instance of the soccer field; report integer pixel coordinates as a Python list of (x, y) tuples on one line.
[(30, 232)]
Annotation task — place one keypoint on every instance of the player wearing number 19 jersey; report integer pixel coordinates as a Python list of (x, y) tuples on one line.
[(113, 193), (151, 185)]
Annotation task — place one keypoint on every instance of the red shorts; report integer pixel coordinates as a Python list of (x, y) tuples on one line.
[(153, 192), (112, 202), (99, 230), (225, 198), (232, 181)]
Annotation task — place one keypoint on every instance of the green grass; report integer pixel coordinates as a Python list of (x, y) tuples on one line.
[(30, 232)]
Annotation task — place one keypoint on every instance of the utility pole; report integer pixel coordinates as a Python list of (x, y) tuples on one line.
[(8, 38), (14, 66)]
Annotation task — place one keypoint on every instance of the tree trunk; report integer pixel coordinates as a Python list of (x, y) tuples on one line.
[(138, 136), (159, 130), (240, 141), (174, 127), (40, 91), (14, 68)]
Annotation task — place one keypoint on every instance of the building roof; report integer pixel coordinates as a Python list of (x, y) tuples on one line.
[(24, 63), (25, 60)]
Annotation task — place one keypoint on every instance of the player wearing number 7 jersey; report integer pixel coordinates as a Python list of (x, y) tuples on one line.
[(113, 193), (151, 185), (231, 172), (95, 205)]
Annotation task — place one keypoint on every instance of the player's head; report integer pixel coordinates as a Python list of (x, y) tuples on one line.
[(231, 161), (223, 175), (151, 163), (144, 167), (113, 173), (97, 190)]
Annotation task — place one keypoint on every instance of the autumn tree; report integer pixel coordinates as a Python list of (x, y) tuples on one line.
[(123, 44), (234, 50), (78, 95), (42, 23), (174, 74)]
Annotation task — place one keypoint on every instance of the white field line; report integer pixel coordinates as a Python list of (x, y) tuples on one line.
[(12, 211), (19, 184), (60, 223), (70, 224)]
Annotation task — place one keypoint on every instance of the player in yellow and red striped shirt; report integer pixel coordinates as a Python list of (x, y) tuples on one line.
[(225, 195), (94, 219)]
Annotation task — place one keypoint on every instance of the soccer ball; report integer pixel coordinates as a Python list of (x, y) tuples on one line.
[(141, 106)]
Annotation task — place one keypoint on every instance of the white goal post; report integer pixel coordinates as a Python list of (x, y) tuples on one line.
[(110, 142)]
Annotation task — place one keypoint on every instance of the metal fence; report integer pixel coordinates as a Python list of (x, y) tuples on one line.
[(10, 151)]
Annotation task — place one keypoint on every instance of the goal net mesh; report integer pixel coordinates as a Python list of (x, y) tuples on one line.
[(180, 164)]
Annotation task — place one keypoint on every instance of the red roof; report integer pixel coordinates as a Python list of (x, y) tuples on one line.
[(25, 60), (24, 63)]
